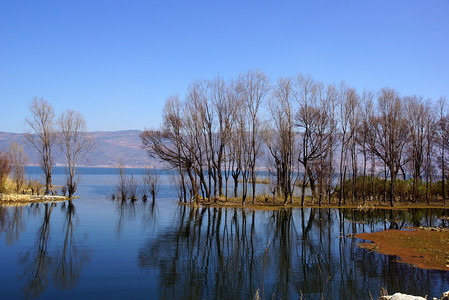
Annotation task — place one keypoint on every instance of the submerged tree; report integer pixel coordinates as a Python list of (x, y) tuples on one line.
[(41, 134), (152, 183), (75, 144), (121, 187)]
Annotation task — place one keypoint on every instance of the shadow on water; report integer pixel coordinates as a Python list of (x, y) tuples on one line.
[(61, 265), (218, 253)]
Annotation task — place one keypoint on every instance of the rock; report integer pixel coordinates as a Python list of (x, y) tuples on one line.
[(399, 296), (445, 296)]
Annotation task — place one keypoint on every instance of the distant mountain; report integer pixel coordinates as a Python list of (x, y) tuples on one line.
[(110, 147)]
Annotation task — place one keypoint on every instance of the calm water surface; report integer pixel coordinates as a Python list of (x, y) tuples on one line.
[(95, 248)]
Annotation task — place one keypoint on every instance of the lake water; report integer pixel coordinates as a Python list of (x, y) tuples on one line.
[(95, 248)]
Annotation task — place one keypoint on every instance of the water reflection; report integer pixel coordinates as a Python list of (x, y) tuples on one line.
[(219, 253), (62, 265), (130, 211)]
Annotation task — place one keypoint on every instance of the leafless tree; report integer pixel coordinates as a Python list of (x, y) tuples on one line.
[(430, 141), (18, 160), (442, 138), (353, 103), (76, 143), (366, 114), (152, 183), (176, 143), (242, 146), (131, 186), (121, 186), (330, 106), (224, 100), (417, 116), (253, 88), (348, 100), (41, 134), (238, 143), (312, 123), (216, 132), (199, 123), (326, 129), (390, 132), (227, 121), (280, 137)]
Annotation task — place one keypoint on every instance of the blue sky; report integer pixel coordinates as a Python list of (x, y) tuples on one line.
[(117, 61)]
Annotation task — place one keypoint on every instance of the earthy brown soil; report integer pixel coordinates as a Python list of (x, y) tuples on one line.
[(426, 249)]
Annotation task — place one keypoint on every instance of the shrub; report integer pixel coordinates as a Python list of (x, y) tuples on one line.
[(5, 169)]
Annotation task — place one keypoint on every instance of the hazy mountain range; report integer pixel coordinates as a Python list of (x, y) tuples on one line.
[(110, 147)]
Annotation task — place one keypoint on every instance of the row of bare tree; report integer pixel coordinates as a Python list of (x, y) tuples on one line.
[(127, 187), (68, 132), (305, 133)]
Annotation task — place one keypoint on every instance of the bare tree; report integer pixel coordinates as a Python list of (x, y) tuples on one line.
[(353, 103), (348, 100), (330, 105), (313, 132), (442, 137), (417, 115), (366, 114), (41, 134), (131, 185), (227, 126), (75, 144), (430, 138), (280, 137), (18, 160), (253, 88), (224, 102), (323, 165), (152, 182), (121, 186), (175, 144), (389, 132), (237, 143)]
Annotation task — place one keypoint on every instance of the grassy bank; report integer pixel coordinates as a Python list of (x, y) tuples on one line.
[(30, 192), (267, 202)]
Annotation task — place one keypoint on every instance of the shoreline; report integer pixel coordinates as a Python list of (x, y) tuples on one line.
[(25, 198), (261, 204)]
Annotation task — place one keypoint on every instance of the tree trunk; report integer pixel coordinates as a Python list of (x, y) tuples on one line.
[(236, 184)]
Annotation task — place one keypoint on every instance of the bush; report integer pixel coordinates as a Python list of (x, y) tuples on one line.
[(5, 169)]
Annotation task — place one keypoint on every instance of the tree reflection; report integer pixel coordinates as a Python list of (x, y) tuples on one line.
[(38, 262), (63, 266), (12, 222), (219, 253), (129, 211), (70, 259)]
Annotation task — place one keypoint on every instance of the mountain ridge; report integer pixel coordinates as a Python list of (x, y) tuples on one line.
[(110, 148)]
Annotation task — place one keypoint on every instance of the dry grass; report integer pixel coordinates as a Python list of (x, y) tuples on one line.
[(9, 196), (265, 202)]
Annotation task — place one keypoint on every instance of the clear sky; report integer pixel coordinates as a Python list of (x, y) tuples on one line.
[(117, 61)]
